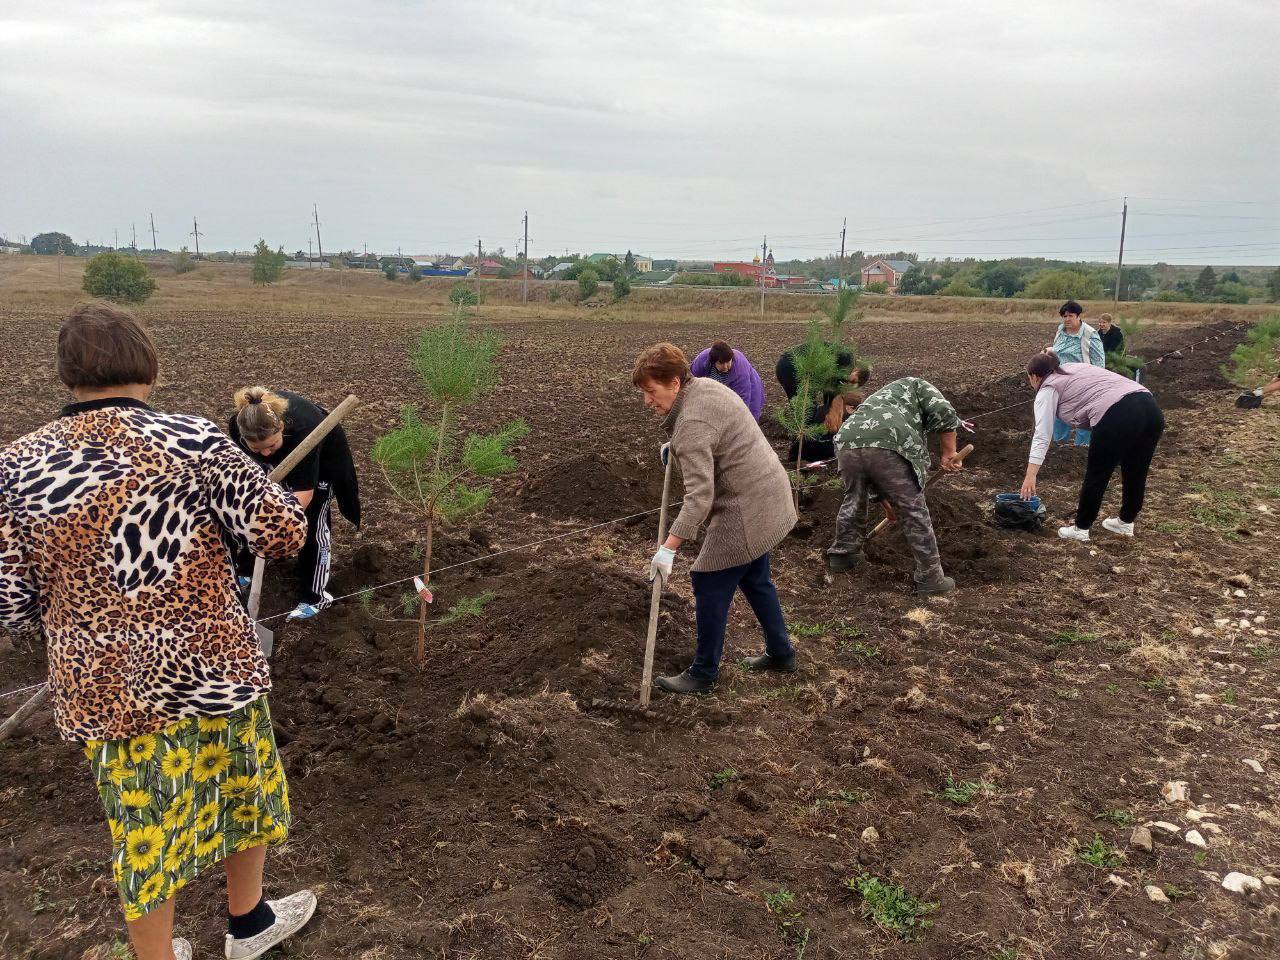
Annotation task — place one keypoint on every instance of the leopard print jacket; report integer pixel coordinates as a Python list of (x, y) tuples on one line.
[(113, 530)]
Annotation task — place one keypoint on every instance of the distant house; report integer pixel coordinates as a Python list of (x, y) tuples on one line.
[(643, 264), (9, 248), (664, 265), (888, 272), (558, 271), (601, 258), (490, 268)]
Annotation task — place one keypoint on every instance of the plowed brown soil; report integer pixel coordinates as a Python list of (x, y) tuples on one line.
[(485, 807)]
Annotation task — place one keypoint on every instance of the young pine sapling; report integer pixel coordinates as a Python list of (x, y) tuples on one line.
[(430, 466), (819, 374), (1123, 361)]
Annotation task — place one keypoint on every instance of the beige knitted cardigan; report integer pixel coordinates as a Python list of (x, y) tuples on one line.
[(734, 483)]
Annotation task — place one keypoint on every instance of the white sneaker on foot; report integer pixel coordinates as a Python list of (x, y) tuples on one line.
[(1116, 525), (181, 948), (292, 914), (1073, 533)]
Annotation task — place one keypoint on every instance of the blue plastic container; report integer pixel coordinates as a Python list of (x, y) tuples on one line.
[(1033, 503)]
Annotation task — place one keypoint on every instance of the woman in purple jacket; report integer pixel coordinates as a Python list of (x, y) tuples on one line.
[(721, 362), (1126, 424)]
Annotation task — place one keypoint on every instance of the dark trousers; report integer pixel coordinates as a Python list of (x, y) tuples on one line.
[(1125, 437), (314, 561), (713, 594), (868, 469)]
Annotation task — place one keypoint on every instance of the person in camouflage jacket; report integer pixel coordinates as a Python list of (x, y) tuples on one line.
[(883, 449)]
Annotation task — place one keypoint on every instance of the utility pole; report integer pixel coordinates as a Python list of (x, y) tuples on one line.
[(315, 213), (844, 224), (479, 255), (153, 232), (764, 253), (1124, 220), (195, 232), (524, 284), (62, 251), (134, 228), (115, 238), (308, 253)]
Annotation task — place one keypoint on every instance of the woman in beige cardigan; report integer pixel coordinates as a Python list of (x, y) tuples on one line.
[(735, 487)]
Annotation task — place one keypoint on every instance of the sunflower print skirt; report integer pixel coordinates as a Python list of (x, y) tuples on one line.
[(185, 797)]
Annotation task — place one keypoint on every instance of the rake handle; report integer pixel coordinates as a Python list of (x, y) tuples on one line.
[(961, 453)]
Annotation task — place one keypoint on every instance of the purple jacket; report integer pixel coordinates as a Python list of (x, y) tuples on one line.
[(1080, 396), (742, 379)]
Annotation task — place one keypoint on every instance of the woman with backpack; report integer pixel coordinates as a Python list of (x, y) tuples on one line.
[(1126, 423)]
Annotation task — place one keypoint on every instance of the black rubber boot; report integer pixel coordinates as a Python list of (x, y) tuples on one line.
[(935, 586), (766, 662), (684, 683), (843, 562)]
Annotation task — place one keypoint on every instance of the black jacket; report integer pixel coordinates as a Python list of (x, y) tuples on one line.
[(1112, 340), (330, 462)]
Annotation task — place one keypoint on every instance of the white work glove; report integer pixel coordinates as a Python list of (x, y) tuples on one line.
[(660, 565), (665, 453)]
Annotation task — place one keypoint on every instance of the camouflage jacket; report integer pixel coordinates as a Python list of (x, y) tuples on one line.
[(897, 417)]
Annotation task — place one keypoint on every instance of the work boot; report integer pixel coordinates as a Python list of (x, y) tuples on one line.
[(843, 562), (935, 585), (766, 661), (684, 683)]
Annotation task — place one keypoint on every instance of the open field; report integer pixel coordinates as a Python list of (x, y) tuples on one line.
[(1003, 742)]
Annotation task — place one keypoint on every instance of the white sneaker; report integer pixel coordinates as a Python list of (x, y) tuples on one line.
[(181, 948), (1116, 525), (292, 914), (1073, 533)]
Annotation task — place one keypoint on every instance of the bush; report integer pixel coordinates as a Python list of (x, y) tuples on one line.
[(555, 294), (390, 271), (1171, 296), (588, 283), (415, 273), (1063, 285), (117, 277), (1228, 292), (1254, 362), (267, 266), (621, 287), (878, 287), (182, 262), (959, 287), (464, 295)]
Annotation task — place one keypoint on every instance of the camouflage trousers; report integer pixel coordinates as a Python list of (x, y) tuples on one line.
[(892, 477)]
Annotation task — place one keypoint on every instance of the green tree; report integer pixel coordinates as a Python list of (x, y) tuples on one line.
[(1226, 292), (1253, 363), (267, 266), (415, 273), (389, 271), (1273, 285), (117, 277), (959, 286), (918, 282), (621, 288), (463, 294), (1124, 362), (1001, 280), (629, 265), (1205, 283), (819, 373), (879, 286), (182, 262), (431, 467), (1063, 285), (50, 244), (1136, 283), (588, 283)]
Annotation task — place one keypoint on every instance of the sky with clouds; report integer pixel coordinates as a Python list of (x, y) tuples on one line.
[(672, 129)]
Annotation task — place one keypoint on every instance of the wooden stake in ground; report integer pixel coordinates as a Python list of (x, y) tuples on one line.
[(309, 443), (655, 597), (20, 716), (962, 453)]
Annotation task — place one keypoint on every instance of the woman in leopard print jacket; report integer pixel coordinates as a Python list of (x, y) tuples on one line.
[(113, 527)]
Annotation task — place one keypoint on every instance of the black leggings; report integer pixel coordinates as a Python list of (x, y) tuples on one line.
[(1125, 437)]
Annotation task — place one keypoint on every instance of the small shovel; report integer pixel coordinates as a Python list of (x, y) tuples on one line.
[(655, 598), (962, 453)]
